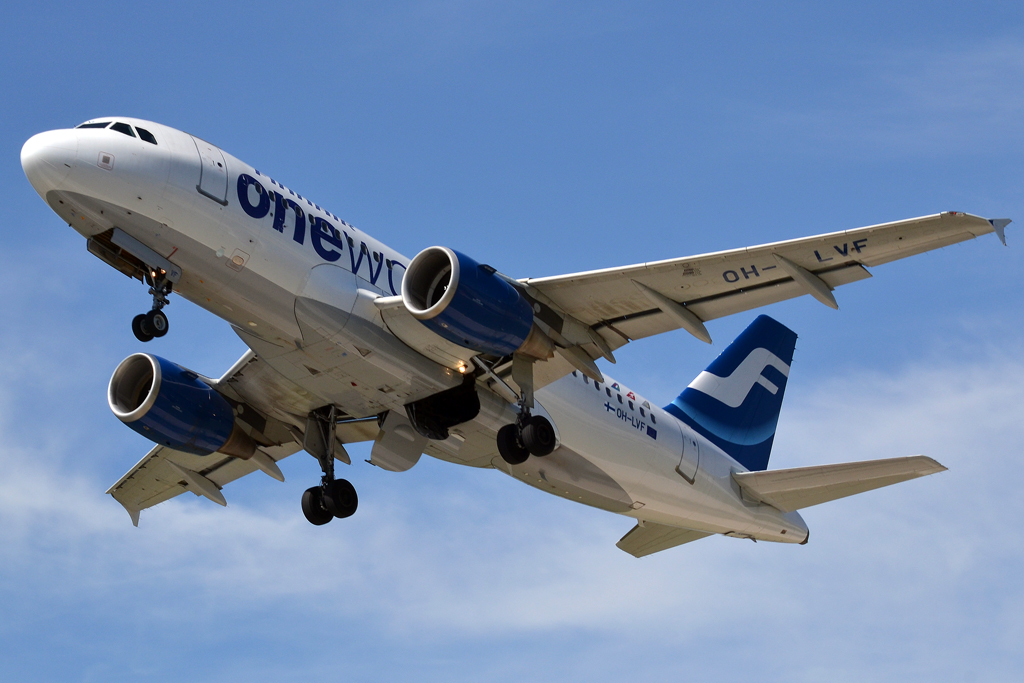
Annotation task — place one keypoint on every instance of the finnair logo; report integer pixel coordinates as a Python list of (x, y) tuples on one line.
[(733, 390)]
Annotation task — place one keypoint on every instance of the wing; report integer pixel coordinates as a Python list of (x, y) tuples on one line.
[(633, 302), (165, 473), (258, 394), (802, 487), (649, 538)]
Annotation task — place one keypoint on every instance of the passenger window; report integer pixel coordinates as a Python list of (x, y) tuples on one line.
[(597, 386), (620, 397), (123, 128), (654, 420), (585, 380), (608, 391), (642, 413), (101, 124), (631, 405), (148, 137), (574, 374)]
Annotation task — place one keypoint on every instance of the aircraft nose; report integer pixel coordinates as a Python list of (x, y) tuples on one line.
[(48, 157)]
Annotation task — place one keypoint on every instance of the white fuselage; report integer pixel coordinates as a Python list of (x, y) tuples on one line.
[(181, 198)]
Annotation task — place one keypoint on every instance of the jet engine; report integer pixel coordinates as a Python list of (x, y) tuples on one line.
[(468, 304), (171, 406)]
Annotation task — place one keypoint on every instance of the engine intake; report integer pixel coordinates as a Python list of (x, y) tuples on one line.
[(171, 406), (469, 305)]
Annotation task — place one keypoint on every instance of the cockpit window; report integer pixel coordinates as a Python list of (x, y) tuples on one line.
[(146, 135), (123, 128), (101, 124)]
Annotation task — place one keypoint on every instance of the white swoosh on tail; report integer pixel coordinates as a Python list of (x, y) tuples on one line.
[(733, 390)]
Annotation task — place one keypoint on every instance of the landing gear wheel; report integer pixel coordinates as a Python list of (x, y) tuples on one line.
[(313, 506), (510, 445), (141, 329), (539, 436), (157, 323), (340, 498)]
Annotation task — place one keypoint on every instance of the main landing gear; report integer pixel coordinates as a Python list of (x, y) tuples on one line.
[(146, 326), (333, 497), (530, 434)]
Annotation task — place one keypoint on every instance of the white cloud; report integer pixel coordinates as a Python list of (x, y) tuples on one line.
[(442, 555), (961, 99)]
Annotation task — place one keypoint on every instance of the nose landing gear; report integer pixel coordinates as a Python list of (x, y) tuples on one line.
[(146, 326)]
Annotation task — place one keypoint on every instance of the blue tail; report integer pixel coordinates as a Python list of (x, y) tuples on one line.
[(735, 403)]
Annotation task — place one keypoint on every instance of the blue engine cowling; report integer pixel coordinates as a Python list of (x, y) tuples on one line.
[(466, 302), (171, 406)]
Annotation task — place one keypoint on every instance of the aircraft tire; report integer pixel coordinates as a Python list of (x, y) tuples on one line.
[(340, 499), (157, 323), (511, 447), (140, 328), (539, 436), (313, 506)]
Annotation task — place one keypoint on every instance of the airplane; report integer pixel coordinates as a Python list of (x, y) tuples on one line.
[(350, 341)]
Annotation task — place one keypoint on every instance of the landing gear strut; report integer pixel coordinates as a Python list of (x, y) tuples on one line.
[(333, 497), (530, 434), (146, 326)]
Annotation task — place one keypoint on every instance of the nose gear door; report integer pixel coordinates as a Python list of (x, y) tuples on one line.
[(687, 467), (213, 174)]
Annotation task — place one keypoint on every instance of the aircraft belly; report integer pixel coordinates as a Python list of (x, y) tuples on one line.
[(607, 445), (567, 474), (643, 469), (354, 367), (713, 502)]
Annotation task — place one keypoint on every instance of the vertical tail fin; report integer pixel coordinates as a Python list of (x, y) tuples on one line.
[(735, 403)]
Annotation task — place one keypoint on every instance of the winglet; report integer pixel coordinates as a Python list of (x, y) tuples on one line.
[(999, 225), (132, 512)]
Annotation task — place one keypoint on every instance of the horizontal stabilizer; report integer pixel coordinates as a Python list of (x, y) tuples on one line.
[(652, 538), (802, 487)]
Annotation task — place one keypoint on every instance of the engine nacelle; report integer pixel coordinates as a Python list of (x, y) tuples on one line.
[(469, 305), (171, 406)]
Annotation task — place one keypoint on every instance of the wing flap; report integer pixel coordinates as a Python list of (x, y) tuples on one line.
[(914, 249), (654, 321), (802, 487), (653, 538)]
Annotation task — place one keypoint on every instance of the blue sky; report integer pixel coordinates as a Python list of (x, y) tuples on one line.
[(542, 138)]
